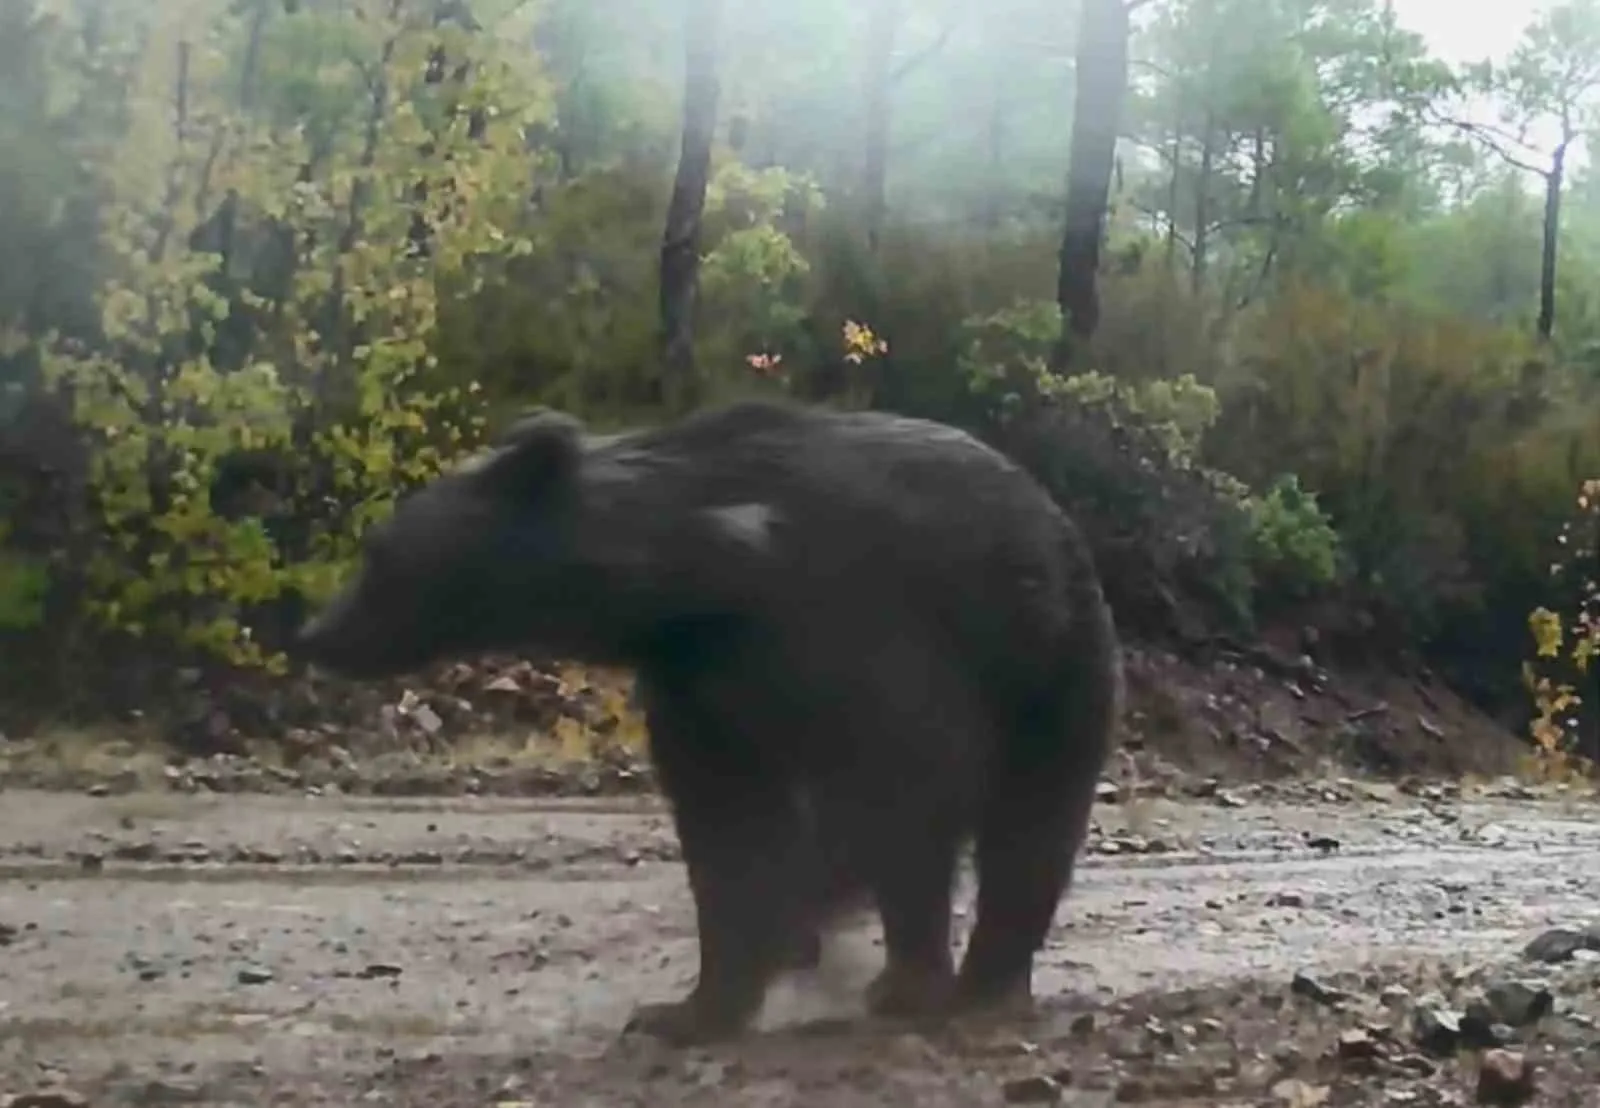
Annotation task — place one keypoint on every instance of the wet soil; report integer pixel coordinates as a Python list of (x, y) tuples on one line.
[(163, 948)]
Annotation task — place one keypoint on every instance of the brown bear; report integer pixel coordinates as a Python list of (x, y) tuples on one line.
[(861, 641)]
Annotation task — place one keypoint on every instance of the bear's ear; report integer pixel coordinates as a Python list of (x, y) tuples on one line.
[(540, 450)]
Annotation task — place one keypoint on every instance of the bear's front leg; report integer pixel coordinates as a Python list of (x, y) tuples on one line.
[(744, 843)]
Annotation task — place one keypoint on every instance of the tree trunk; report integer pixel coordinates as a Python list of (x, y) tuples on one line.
[(680, 243), (1100, 83), (1202, 204), (883, 20), (1553, 182)]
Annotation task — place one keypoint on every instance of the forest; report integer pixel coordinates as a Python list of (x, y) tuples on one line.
[(1300, 321)]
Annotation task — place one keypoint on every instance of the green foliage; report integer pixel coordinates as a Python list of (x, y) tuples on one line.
[(1124, 459), (1569, 646), (1294, 540), (1005, 358), (754, 275), (335, 377), (322, 275), (24, 587)]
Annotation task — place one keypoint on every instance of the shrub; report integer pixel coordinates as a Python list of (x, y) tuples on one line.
[(24, 584), (1169, 535), (1568, 648), (331, 396), (1295, 547)]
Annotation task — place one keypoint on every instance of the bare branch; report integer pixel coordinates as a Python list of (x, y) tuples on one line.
[(1153, 66), (1495, 143), (1496, 140)]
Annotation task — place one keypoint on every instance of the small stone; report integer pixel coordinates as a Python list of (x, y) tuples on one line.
[(1395, 996), (1355, 1045), (1309, 987), (1436, 1030), (1519, 1003), (1505, 1079), (1560, 944), (379, 970), (1479, 1029), (1040, 1088), (98, 790), (46, 1098), (1417, 1064), (255, 975), (158, 1092), (1294, 1093)]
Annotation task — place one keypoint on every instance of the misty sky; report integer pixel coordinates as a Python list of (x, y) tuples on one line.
[(1461, 31)]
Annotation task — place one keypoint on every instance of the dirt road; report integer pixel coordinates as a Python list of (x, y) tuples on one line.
[(321, 950)]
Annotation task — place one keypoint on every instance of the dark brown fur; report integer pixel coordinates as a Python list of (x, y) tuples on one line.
[(861, 641)]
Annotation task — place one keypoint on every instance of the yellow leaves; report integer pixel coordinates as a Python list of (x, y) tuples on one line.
[(1571, 645), (165, 420), (1546, 628), (860, 343)]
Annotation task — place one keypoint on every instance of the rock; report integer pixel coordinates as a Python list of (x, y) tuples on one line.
[(379, 970), (1356, 1045), (1561, 944), (1294, 1093), (254, 975), (1480, 1030), (46, 1098), (1309, 987), (157, 1092), (1394, 996), (1505, 1078), (1519, 1003), (1436, 1029), (1038, 1089), (1107, 792)]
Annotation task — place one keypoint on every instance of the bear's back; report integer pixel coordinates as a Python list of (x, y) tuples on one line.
[(871, 513)]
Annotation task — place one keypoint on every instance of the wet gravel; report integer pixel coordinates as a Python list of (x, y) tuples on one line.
[(173, 948)]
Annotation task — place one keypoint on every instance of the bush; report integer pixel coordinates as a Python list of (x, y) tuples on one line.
[(1169, 535), (1566, 720), (24, 584), (1441, 451), (1295, 548), (329, 405)]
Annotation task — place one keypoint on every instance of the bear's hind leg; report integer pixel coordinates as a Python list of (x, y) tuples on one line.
[(1034, 821)]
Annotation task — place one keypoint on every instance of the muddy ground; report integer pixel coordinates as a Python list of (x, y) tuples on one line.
[(160, 948)]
